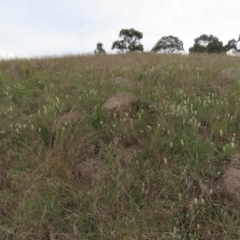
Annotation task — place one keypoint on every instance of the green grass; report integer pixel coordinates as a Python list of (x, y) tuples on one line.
[(163, 192)]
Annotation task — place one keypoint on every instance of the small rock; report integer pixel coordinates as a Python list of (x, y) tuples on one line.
[(228, 76), (235, 161), (66, 117), (120, 102), (229, 185), (225, 78)]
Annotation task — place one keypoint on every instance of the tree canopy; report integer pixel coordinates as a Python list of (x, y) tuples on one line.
[(233, 45), (168, 44), (130, 41), (207, 44), (99, 49)]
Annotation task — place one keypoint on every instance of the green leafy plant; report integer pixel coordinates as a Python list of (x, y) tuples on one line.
[(97, 118)]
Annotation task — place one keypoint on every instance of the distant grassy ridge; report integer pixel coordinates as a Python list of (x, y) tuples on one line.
[(181, 139)]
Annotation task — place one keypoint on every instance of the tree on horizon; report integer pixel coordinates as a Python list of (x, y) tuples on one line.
[(233, 45), (207, 44), (130, 41), (168, 44), (99, 49)]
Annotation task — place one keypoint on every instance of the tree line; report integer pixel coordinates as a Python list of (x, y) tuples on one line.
[(130, 41)]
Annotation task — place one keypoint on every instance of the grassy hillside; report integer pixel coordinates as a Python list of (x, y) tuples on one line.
[(178, 142)]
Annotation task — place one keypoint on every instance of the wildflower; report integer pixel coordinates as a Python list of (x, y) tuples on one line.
[(180, 196), (45, 109), (221, 132)]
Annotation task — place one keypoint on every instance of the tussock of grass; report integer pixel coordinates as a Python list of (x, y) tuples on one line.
[(180, 138)]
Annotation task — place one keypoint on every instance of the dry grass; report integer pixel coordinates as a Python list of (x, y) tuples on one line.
[(153, 170)]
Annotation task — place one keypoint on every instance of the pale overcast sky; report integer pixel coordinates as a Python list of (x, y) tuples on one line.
[(32, 28)]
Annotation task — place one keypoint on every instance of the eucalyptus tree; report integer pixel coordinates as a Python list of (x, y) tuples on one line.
[(207, 44), (129, 41), (168, 44), (99, 49)]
